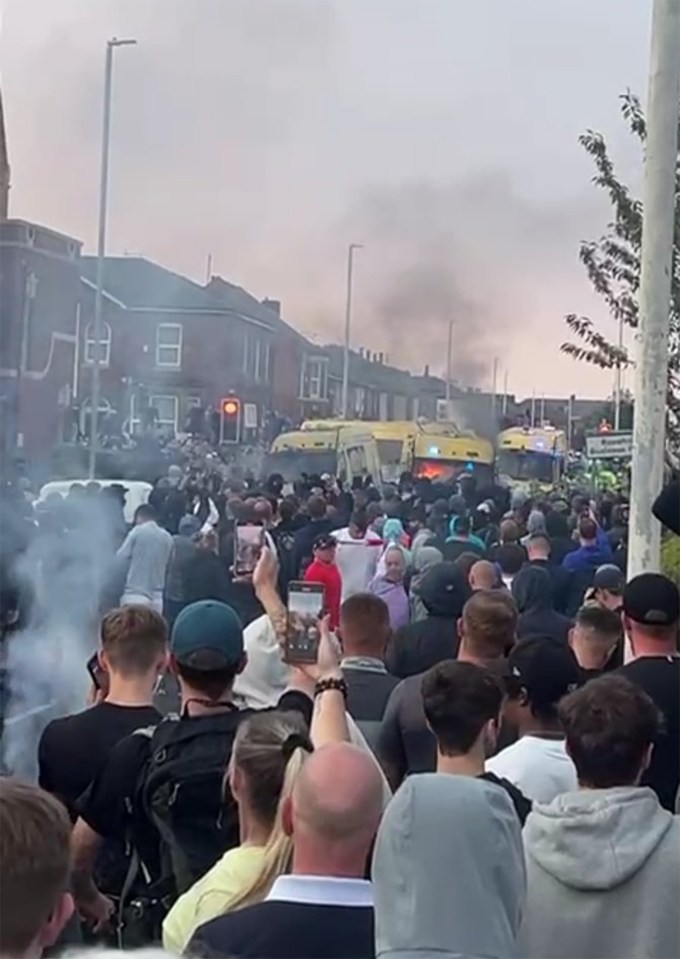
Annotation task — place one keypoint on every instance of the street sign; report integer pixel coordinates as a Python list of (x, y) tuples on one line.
[(610, 446)]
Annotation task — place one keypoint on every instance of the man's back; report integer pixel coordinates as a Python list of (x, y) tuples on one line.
[(603, 877), (659, 676), (368, 690), (73, 749), (147, 549), (290, 929)]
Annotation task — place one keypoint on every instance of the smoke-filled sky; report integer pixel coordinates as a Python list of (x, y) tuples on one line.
[(440, 134)]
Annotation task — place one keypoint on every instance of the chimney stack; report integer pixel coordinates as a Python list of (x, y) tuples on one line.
[(273, 305), (427, 370)]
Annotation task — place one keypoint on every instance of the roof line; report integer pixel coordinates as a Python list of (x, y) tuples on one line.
[(108, 296), (205, 310)]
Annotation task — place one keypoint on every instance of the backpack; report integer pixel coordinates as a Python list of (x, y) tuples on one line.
[(181, 793)]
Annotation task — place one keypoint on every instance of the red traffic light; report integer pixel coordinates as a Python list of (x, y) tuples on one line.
[(231, 407)]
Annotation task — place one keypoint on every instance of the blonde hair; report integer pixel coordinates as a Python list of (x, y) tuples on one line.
[(270, 749)]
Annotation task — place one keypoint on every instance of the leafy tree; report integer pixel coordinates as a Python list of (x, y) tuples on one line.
[(613, 266)]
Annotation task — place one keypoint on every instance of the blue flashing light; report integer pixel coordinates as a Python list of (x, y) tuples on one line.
[(434, 451), (470, 467)]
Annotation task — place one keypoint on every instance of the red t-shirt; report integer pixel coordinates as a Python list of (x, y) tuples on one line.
[(329, 576)]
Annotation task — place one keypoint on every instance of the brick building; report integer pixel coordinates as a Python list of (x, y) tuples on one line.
[(39, 306)]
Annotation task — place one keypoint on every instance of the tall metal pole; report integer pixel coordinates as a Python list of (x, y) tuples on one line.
[(348, 326), (101, 247), (533, 409), (449, 370), (618, 381), (542, 409), (494, 386), (651, 370), (504, 407)]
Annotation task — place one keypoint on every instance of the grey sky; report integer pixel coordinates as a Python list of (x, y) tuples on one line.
[(442, 134)]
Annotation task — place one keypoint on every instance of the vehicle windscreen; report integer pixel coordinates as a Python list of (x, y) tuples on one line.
[(291, 464), (526, 465)]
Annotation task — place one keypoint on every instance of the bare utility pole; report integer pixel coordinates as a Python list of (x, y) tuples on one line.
[(449, 360), (651, 370), (348, 327)]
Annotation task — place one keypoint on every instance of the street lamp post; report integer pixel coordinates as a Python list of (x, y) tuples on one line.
[(449, 369), (101, 245), (348, 325), (651, 368)]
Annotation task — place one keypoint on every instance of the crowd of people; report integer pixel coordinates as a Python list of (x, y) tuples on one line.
[(480, 758)]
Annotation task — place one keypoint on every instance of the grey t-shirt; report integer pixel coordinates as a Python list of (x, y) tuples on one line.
[(146, 551)]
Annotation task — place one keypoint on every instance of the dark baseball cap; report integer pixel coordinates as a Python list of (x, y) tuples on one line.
[(609, 577), (325, 541), (652, 600), (546, 668), (207, 626)]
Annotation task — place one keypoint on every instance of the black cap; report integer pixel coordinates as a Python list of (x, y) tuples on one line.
[(325, 541), (546, 668), (609, 577), (652, 600)]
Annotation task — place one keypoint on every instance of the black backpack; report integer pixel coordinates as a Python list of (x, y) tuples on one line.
[(182, 793)]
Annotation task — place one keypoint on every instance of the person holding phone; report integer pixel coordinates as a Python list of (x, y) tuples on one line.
[(323, 569)]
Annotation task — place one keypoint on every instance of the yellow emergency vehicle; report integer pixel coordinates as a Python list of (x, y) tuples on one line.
[(346, 452), (534, 458), (444, 455)]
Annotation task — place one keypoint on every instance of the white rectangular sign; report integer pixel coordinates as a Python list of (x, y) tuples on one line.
[(610, 446), (250, 416)]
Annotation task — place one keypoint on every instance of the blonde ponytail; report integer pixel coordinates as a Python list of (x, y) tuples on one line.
[(288, 748)]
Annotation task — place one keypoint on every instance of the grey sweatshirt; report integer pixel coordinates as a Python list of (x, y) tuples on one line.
[(448, 871), (603, 876)]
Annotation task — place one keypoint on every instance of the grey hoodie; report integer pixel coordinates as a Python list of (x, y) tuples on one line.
[(603, 875), (448, 871)]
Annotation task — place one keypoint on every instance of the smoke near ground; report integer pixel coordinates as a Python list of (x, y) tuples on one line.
[(65, 570)]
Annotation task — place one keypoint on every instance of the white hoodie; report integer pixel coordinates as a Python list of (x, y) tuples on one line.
[(603, 877)]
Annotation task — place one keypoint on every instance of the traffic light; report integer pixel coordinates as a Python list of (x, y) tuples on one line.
[(231, 419)]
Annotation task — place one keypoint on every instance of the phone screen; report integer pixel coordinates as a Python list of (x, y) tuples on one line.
[(249, 543), (305, 606), (98, 675)]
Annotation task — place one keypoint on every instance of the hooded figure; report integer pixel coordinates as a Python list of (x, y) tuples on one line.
[(535, 526), (424, 559), (443, 892), (603, 875), (532, 590), (443, 591), (389, 585)]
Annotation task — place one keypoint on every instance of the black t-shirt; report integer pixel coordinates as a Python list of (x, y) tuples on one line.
[(74, 749), (659, 676), (105, 807)]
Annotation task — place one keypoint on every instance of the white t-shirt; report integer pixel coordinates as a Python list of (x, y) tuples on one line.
[(540, 768), (357, 560)]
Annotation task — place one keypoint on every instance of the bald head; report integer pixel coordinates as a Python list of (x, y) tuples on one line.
[(334, 811), (483, 575)]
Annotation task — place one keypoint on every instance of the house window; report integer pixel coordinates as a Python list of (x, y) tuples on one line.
[(104, 345), (167, 408), (255, 357), (314, 379), (169, 345)]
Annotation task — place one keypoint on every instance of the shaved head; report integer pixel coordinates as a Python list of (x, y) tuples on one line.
[(335, 810), (483, 575)]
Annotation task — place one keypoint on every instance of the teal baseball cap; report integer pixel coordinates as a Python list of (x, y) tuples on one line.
[(207, 627)]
